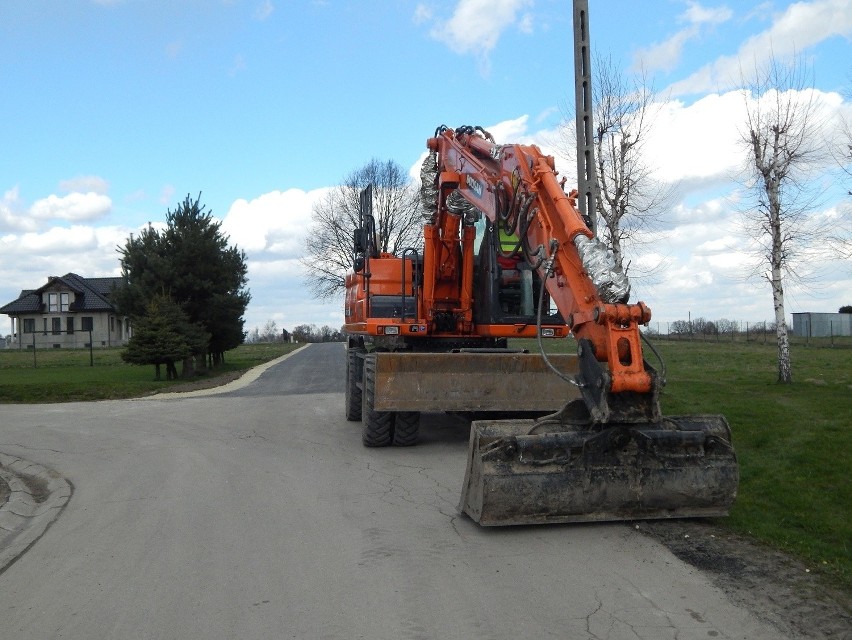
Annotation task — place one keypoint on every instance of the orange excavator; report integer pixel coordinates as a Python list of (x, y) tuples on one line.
[(506, 254)]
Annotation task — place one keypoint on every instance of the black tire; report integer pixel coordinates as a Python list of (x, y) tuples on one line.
[(354, 367), (378, 425), (405, 428)]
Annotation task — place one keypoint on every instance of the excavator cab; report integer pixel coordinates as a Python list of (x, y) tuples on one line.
[(507, 288)]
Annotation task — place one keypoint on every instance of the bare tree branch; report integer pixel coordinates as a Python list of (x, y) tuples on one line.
[(840, 237), (630, 200), (329, 247)]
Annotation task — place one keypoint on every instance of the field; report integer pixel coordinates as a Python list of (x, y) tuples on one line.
[(64, 375), (793, 442)]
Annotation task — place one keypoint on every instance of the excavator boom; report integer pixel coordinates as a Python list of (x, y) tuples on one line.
[(611, 455)]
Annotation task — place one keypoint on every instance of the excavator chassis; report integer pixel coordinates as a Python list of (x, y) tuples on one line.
[(469, 381), (679, 467)]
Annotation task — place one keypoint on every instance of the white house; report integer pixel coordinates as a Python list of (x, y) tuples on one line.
[(69, 311)]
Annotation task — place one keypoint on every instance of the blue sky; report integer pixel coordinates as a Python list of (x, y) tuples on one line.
[(113, 110)]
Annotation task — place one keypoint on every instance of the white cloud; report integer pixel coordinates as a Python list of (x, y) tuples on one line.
[(166, 194), (697, 141), (422, 13), (237, 65), (666, 55), (274, 223), (74, 207), (476, 25), (84, 184), (10, 218), (31, 257), (271, 230), (800, 26), (58, 240), (264, 10), (697, 14), (526, 25)]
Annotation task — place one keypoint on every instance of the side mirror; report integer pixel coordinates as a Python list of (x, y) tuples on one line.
[(358, 264), (359, 241)]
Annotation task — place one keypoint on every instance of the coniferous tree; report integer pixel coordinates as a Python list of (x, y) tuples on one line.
[(191, 263), (163, 335)]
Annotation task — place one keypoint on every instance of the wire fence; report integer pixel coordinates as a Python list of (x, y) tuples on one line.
[(37, 341), (745, 332)]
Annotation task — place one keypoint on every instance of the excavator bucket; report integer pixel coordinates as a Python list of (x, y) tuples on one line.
[(679, 467)]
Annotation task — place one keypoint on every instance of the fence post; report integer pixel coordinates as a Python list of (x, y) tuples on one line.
[(35, 365), (91, 350)]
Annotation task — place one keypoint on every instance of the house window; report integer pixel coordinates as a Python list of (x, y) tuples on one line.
[(69, 324), (29, 325), (64, 300), (53, 302), (87, 323), (56, 326)]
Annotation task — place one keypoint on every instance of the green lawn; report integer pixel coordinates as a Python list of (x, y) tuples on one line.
[(793, 442), (63, 375)]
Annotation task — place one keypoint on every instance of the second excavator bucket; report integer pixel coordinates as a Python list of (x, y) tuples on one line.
[(679, 467)]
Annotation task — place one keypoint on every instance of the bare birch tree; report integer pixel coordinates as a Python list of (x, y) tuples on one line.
[(329, 247), (781, 135)]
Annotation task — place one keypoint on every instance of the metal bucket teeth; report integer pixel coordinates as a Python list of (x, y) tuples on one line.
[(681, 467)]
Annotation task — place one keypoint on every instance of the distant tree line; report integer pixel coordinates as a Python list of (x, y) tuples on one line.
[(301, 333), (722, 327), (718, 327)]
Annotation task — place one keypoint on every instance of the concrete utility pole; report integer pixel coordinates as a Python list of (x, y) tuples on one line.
[(586, 172)]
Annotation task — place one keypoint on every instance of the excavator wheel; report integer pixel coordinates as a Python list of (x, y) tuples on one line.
[(406, 426), (378, 426), (354, 369)]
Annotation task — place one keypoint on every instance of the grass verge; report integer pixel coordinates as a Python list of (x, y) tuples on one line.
[(65, 375), (793, 442)]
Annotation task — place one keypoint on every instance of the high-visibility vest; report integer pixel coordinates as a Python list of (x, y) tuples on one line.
[(508, 241)]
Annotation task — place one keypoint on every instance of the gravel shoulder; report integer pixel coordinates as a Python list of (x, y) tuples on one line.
[(774, 586)]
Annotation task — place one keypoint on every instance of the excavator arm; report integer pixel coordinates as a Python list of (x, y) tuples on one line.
[(517, 188), (611, 456)]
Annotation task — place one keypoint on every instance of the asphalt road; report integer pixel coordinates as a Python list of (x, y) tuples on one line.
[(256, 513)]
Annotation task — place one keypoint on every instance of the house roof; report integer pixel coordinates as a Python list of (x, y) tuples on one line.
[(92, 294)]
